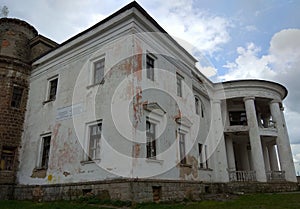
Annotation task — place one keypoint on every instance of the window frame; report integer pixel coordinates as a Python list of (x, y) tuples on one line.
[(50, 98), (40, 164), (19, 102), (86, 154), (179, 80), (197, 105), (182, 147), (151, 143), (101, 70), (3, 158), (150, 66), (203, 159)]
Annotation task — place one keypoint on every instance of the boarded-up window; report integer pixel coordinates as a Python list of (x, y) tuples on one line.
[(7, 158)]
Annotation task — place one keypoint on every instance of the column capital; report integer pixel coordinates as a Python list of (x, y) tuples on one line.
[(248, 98), (275, 101)]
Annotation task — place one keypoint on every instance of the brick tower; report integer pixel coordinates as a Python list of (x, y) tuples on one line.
[(20, 44)]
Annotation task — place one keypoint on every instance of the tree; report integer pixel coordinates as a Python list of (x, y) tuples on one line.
[(4, 11)]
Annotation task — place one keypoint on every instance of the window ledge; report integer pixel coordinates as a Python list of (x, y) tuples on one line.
[(186, 165), (95, 84), (49, 100), (90, 161), (152, 160)]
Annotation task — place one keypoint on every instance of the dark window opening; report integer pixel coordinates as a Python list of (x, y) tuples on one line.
[(237, 118), (45, 151), (150, 67), (156, 190), (99, 71), (202, 149), (95, 137), (53, 88), (197, 105), (7, 158), (151, 143), (16, 97), (182, 148)]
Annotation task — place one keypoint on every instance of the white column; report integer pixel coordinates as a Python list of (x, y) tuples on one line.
[(255, 141), (244, 157), (266, 156), (230, 154), (273, 158), (216, 143), (283, 143)]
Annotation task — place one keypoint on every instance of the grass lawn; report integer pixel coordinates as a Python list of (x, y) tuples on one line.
[(256, 201)]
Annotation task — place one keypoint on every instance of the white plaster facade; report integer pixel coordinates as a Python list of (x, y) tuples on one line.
[(231, 150)]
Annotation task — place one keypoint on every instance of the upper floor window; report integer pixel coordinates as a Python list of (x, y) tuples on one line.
[(98, 72), (151, 142), (179, 79), (150, 67), (7, 158), (197, 105), (237, 118), (16, 97), (95, 131)]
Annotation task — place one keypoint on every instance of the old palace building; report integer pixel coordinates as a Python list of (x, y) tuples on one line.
[(121, 111)]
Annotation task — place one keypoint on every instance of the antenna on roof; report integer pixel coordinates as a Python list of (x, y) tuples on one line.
[(4, 11)]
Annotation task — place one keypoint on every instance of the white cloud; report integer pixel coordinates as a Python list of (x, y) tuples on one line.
[(205, 31), (249, 65)]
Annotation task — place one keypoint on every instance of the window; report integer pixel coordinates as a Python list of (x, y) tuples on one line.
[(237, 118), (202, 110), (95, 131), (16, 97), (150, 67), (7, 158), (151, 144), (52, 89), (197, 105), (45, 151), (179, 79), (99, 71), (203, 156), (182, 148)]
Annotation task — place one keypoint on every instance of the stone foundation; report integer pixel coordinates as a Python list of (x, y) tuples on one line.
[(144, 190)]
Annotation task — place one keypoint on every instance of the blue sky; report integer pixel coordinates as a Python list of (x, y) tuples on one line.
[(239, 39)]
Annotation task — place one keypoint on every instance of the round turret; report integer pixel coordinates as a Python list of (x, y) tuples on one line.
[(15, 67)]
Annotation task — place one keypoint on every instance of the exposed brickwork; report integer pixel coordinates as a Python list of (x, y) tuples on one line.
[(15, 68)]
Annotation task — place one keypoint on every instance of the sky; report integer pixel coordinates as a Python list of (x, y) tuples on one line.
[(239, 39)]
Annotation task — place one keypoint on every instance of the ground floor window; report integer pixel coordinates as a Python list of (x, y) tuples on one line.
[(7, 158)]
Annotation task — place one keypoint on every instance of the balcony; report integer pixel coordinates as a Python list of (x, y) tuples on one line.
[(275, 175), (242, 176)]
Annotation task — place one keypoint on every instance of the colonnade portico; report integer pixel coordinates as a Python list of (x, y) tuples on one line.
[(263, 160)]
